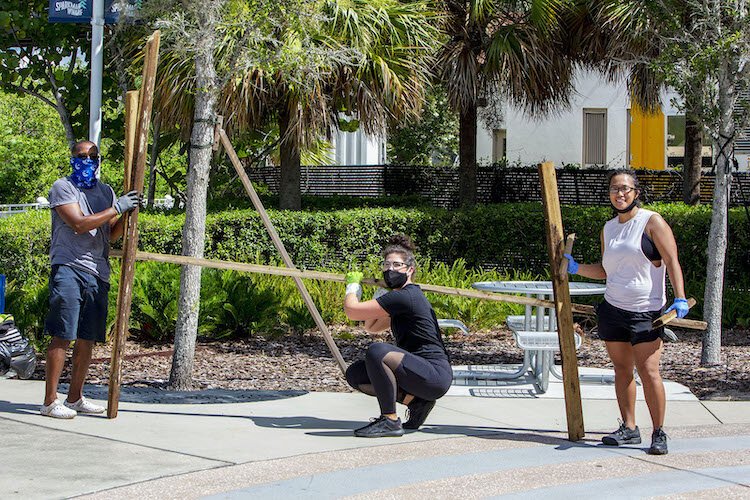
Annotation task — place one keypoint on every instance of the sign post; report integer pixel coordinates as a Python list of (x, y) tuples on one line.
[(97, 64)]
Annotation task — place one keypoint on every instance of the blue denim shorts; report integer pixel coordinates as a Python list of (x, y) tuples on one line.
[(77, 305)]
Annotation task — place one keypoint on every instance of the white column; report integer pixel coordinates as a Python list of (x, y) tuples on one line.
[(97, 60)]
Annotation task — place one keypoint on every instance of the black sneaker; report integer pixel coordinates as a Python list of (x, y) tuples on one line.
[(623, 435), (658, 443), (381, 427), (417, 412)]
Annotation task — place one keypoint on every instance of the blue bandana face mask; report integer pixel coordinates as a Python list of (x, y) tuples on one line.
[(84, 172)]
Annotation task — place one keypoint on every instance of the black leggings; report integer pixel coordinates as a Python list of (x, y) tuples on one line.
[(387, 368)]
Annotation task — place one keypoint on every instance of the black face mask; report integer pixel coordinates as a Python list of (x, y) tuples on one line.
[(626, 209), (394, 279)]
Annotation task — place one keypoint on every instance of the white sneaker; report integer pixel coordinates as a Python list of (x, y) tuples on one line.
[(83, 405), (57, 410)]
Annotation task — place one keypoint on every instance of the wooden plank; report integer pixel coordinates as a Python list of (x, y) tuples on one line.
[(568, 248), (563, 310), (282, 250), (118, 338), (671, 316), (326, 276), (132, 100), (690, 324), (130, 242)]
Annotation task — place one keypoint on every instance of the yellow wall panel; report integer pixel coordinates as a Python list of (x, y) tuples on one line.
[(647, 146)]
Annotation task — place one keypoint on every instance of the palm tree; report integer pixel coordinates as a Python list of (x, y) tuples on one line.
[(369, 59), (380, 78), (506, 48)]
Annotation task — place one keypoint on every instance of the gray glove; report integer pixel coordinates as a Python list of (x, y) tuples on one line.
[(127, 202)]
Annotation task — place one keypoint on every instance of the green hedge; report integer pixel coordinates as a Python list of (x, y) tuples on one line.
[(509, 237)]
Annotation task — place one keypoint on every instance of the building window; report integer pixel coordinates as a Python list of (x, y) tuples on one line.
[(499, 145), (676, 142), (594, 137)]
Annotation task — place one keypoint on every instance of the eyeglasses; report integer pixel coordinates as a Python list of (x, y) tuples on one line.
[(395, 265), (83, 156), (621, 189)]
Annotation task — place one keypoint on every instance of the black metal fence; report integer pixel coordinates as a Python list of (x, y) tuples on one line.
[(440, 185)]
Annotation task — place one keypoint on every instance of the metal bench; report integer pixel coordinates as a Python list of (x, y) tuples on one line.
[(453, 323)]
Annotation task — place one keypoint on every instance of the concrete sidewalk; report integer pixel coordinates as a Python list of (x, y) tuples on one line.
[(245, 444)]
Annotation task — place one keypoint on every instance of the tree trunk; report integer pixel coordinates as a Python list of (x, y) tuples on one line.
[(62, 112), (691, 187), (194, 231), (290, 195), (152, 161), (717, 236), (467, 150)]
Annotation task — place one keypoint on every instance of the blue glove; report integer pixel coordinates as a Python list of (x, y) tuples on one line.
[(681, 306), (572, 264)]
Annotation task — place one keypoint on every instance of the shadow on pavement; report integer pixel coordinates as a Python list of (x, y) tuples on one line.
[(158, 395)]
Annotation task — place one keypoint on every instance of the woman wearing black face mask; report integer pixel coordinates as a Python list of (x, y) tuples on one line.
[(416, 371), (638, 250)]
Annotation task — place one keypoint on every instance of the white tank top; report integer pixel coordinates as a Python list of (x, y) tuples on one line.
[(633, 282)]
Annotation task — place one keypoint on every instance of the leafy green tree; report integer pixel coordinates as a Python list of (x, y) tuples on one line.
[(706, 47), (208, 45), (313, 61), (430, 140), (41, 59), (33, 150)]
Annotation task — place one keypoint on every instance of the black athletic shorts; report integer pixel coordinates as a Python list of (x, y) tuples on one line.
[(619, 325)]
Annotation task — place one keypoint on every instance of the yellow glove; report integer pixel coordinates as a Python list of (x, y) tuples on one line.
[(352, 283), (353, 277)]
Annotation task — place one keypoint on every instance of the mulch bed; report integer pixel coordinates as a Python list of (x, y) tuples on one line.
[(302, 361)]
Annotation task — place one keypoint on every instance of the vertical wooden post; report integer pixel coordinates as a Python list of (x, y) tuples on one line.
[(554, 231), (118, 338), (130, 238), (281, 249), (132, 100)]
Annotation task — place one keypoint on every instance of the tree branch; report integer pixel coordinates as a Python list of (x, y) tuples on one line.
[(31, 92)]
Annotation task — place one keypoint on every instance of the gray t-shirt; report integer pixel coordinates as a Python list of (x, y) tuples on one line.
[(89, 251)]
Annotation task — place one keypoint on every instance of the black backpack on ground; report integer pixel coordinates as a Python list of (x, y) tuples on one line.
[(15, 351)]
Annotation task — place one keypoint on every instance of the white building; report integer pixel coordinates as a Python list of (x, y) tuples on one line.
[(358, 148), (598, 128)]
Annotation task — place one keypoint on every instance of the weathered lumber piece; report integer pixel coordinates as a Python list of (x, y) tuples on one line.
[(563, 310), (671, 316), (281, 249), (130, 237)]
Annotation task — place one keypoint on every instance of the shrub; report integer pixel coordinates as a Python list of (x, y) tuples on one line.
[(472, 244)]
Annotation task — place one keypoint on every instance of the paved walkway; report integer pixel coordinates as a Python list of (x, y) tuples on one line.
[(480, 441)]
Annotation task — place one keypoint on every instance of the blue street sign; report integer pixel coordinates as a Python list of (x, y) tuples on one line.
[(79, 11), (2, 293)]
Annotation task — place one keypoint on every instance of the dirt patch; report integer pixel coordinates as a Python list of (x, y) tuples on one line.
[(302, 362)]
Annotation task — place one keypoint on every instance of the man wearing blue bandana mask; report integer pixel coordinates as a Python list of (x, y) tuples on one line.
[(86, 216), (84, 171)]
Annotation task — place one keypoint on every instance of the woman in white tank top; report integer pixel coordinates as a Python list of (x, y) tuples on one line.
[(638, 251)]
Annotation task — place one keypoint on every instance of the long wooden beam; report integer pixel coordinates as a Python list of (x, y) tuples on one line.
[(120, 335), (326, 276), (563, 311), (130, 241), (226, 143)]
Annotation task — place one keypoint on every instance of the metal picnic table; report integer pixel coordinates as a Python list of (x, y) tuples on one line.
[(536, 331)]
